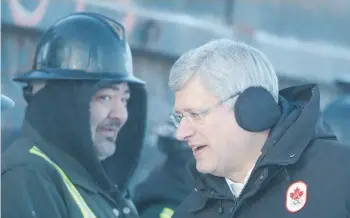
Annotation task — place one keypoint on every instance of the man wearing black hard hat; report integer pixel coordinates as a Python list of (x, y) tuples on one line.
[(85, 116)]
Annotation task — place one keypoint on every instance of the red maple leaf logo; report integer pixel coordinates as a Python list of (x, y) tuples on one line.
[(296, 194)]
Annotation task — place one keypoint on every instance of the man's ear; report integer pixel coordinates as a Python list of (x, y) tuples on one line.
[(37, 86), (32, 88)]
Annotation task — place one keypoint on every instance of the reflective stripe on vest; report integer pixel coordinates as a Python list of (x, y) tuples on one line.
[(79, 200), (166, 213)]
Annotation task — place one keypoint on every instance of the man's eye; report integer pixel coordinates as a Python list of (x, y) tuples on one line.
[(195, 115), (104, 98)]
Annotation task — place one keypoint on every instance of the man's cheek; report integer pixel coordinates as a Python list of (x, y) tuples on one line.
[(93, 125), (93, 132), (97, 114)]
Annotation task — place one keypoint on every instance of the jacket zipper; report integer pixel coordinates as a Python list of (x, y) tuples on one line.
[(238, 199), (240, 196), (244, 187)]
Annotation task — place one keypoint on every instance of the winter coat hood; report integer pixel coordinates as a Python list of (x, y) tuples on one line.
[(60, 114)]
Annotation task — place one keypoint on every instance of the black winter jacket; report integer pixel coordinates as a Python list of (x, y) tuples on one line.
[(302, 172), (57, 124), (166, 187)]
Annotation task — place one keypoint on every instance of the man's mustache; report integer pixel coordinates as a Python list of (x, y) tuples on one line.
[(114, 124)]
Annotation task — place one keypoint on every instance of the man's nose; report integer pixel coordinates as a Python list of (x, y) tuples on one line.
[(185, 130), (118, 110)]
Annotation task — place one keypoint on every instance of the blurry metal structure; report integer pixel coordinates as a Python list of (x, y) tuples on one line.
[(6, 103), (337, 114), (296, 37)]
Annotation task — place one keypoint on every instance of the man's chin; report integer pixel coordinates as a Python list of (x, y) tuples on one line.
[(106, 149), (203, 167)]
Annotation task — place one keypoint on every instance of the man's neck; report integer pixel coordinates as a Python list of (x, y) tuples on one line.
[(241, 176)]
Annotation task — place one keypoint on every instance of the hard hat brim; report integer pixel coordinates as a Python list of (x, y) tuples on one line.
[(38, 75)]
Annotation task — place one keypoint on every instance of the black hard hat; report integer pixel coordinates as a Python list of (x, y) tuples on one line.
[(83, 46)]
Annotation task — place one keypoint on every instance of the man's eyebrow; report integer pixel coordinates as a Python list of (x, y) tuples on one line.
[(188, 109), (116, 88), (185, 110)]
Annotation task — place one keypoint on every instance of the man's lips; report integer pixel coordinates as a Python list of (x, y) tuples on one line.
[(197, 149), (109, 131)]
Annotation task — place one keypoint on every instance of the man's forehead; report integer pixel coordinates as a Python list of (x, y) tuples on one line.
[(190, 100), (124, 87)]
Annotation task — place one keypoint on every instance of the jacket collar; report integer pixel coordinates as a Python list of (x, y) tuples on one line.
[(208, 185), (295, 129)]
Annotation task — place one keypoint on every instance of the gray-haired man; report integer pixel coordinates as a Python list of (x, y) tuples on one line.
[(256, 151)]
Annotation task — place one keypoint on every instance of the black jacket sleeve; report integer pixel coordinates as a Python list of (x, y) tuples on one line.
[(26, 193)]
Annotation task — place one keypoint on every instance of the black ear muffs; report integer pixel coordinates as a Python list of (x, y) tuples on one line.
[(256, 110)]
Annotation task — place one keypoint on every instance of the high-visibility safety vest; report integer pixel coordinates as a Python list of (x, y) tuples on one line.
[(79, 200), (166, 213)]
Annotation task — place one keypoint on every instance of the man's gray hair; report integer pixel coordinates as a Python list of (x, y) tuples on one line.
[(225, 67)]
